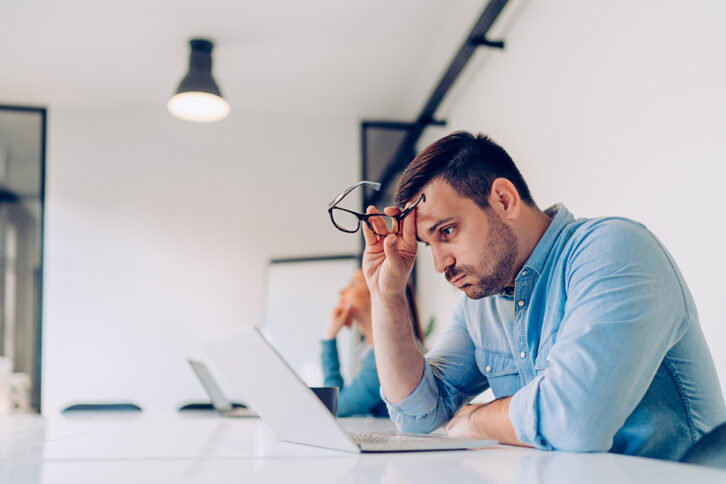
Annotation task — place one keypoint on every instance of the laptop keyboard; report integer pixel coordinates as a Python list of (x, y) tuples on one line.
[(384, 438)]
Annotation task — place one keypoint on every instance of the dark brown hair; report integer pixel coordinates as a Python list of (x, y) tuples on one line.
[(468, 163)]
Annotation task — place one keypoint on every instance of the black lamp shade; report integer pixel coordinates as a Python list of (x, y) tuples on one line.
[(199, 78), (198, 97)]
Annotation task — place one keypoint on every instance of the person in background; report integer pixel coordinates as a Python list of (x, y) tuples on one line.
[(362, 395)]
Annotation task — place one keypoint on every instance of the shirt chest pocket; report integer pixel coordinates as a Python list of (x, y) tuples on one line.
[(542, 362), (500, 371)]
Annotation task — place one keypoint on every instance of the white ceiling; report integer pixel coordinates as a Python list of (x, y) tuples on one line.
[(370, 58)]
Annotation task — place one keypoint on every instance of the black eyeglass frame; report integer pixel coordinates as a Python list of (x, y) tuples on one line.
[(365, 217)]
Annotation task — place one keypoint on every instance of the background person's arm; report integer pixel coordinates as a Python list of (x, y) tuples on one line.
[(362, 394)]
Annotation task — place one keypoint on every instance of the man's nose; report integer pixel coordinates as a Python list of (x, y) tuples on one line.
[(442, 261)]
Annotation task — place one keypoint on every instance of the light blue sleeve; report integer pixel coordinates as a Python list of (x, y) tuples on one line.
[(625, 309), (330, 363), (361, 394), (450, 379)]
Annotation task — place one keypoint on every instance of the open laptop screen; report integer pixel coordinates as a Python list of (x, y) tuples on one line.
[(219, 400)]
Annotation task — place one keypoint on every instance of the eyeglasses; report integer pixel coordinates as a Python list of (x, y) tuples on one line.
[(349, 221)]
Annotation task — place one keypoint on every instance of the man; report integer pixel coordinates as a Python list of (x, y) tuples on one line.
[(584, 329)]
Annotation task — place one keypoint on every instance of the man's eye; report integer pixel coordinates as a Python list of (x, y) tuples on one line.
[(447, 230)]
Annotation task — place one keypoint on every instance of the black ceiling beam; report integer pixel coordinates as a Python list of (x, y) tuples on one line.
[(402, 125), (475, 39)]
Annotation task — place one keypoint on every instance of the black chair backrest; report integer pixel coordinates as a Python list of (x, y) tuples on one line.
[(206, 406), (196, 406), (710, 450), (103, 407)]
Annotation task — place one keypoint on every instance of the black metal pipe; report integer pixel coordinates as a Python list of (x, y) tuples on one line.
[(475, 39)]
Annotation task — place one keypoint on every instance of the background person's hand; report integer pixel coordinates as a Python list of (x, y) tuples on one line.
[(342, 316), (388, 261)]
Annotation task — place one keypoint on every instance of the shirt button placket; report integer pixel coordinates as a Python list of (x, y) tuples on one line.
[(528, 369)]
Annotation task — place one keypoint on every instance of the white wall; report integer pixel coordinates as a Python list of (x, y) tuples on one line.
[(157, 236), (158, 231), (613, 108)]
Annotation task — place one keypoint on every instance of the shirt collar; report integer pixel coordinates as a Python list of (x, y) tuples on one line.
[(561, 218)]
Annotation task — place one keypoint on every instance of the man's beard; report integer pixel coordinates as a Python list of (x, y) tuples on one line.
[(500, 247)]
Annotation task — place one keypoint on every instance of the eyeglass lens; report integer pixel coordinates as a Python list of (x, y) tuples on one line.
[(378, 220), (349, 221), (345, 220)]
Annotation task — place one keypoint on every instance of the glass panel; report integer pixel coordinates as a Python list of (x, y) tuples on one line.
[(21, 219), (382, 144)]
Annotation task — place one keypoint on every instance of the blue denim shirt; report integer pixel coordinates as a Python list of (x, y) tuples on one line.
[(599, 343)]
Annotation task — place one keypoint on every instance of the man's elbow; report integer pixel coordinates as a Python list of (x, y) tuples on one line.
[(419, 425), (578, 440)]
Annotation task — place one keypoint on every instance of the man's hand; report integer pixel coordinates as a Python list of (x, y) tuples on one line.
[(342, 316), (388, 260), (461, 425), (487, 421)]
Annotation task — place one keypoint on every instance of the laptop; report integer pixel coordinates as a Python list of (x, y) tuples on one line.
[(294, 412), (219, 401)]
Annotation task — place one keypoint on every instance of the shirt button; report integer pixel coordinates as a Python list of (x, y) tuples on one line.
[(524, 272), (548, 358), (520, 303), (523, 355), (488, 368)]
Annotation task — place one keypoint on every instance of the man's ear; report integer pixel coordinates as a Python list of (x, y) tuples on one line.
[(504, 197)]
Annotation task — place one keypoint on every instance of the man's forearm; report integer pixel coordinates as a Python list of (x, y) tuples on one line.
[(399, 360), (491, 421)]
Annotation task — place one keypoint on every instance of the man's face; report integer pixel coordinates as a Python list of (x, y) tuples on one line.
[(474, 248)]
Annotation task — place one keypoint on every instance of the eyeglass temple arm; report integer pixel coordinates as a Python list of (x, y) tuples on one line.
[(407, 210), (374, 185)]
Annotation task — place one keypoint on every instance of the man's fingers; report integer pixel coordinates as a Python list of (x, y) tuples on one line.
[(371, 238), (392, 212), (379, 226), (390, 247)]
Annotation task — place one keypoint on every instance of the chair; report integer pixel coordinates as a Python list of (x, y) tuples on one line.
[(206, 406), (710, 450), (102, 407)]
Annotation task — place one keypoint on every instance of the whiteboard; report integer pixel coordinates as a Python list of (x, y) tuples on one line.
[(299, 297)]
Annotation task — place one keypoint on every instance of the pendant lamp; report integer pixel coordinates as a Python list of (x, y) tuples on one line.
[(198, 97)]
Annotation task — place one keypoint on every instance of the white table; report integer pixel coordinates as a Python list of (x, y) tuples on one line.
[(213, 449)]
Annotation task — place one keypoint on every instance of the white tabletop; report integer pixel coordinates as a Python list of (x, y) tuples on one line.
[(214, 449)]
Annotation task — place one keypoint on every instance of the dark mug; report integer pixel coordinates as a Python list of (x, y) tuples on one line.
[(329, 397)]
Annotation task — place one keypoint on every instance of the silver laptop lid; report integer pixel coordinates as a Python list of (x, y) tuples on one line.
[(219, 400), (274, 391)]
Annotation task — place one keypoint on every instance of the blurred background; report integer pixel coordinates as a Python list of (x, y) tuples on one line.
[(129, 235)]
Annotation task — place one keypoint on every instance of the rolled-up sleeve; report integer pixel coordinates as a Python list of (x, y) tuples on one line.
[(450, 379), (625, 309)]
